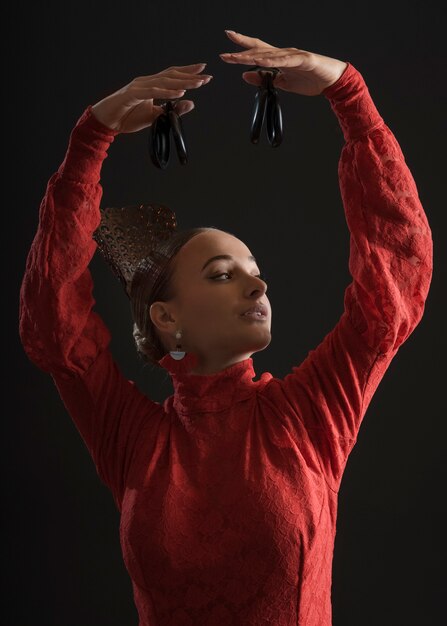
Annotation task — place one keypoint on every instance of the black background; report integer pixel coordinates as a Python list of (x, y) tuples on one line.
[(62, 562)]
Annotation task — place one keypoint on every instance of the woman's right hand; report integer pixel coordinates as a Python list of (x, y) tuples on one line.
[(132, 107)]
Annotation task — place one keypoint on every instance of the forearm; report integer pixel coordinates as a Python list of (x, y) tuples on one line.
[(391, 243), (56, 292)]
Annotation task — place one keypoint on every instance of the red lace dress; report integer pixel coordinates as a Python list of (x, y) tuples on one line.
[(228, 489)]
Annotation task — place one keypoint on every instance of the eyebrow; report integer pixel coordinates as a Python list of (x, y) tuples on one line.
[(227, 257)]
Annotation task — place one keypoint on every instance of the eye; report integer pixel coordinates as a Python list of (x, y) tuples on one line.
[(261, 276), (219, 275)]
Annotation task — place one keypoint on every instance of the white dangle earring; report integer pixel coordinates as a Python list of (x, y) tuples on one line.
[(178, 353)]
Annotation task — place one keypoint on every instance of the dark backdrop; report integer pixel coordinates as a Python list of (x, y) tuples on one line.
[(62, 560)]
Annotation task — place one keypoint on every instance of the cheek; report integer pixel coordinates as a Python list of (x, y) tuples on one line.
[(206, 306)]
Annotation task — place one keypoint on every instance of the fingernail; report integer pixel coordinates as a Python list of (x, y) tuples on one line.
[(231, 31)]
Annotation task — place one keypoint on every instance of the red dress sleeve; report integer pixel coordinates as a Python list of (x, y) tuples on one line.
[(59, 330), (391, 267)]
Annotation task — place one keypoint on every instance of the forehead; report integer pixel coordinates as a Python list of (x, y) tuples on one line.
[(208, 244)]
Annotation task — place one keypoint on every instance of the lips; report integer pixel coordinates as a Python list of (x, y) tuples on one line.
[(259, 309)]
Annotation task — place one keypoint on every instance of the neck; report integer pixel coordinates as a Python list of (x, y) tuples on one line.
[(207, 366)]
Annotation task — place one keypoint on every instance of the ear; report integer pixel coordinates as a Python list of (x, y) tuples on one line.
[(162, 317)]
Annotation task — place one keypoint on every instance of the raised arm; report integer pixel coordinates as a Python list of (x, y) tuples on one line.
[(326, 397), (391, 267), (59, 330), (391, 246)]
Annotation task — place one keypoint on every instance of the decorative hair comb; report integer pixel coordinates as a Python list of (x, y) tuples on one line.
[(127, 235)]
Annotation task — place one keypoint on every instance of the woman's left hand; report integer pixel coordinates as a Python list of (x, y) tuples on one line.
[(302, 72)]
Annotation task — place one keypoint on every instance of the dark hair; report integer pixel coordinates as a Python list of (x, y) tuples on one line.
[(152, 282)]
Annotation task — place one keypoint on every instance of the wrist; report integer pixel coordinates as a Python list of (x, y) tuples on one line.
[(351, 102), (339, 69), (87, 149), (99, 115)]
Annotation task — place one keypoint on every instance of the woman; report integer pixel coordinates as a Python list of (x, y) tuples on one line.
[(228, 490)]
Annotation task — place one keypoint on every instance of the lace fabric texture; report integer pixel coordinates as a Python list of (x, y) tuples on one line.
[(240, 509), (228, 489)]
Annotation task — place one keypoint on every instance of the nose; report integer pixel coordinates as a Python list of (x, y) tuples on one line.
[(257, 286)]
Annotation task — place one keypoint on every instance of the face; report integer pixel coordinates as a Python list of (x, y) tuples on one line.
[(211, 297)]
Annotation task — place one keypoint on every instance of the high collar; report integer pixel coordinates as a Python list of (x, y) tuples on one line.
[(198, 393)]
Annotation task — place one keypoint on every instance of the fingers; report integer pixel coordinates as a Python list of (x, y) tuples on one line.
[(253, 78), (191, 69), (255, 46), (144, 115), (181, 107), (152, 93), (181, 82), (184, 106), (277, 58), (246, 59), (178, 80), (156, 93), (248, 56), (166, 86), (286, 60), (245, 41), (177, 74)]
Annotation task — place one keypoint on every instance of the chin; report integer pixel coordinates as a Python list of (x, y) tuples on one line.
[(265, 345), (260, 345)]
